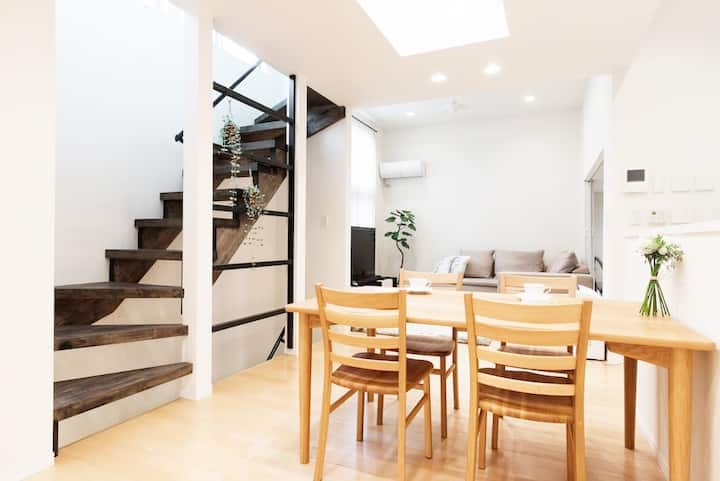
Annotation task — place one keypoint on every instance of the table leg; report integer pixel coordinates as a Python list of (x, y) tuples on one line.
[(680, 413), (305, 355), (630, 401)]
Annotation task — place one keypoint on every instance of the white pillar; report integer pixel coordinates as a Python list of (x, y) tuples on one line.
[(300, 170), (197, 202), (27, 197)]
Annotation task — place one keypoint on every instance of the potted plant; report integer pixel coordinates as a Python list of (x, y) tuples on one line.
[(403, 222)]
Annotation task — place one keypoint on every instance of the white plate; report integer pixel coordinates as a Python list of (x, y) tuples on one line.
[(544, 299), (421, 290)]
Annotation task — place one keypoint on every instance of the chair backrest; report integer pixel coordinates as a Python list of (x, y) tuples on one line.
[(562, 324), (368, 310), (453, 280), (559, 284)]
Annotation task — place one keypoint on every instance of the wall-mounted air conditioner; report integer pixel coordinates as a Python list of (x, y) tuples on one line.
[(402, 170)]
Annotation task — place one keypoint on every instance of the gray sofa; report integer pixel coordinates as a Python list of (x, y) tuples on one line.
[(484, 266)]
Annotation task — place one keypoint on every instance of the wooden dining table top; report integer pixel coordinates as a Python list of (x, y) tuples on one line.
[(612, 320)]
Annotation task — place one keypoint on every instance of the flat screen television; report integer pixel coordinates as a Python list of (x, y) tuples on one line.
[(362, 254)]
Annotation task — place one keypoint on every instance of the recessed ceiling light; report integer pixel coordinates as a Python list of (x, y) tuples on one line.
[(410, 114), (438, 78), (529, 99), (414, 27), (492, 69)]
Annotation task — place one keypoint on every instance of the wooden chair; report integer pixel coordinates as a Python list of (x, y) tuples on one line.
[(434, 346), (367, 372), (520, 391), (509, 283)]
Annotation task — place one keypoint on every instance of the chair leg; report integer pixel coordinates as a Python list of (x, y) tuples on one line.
[(402, 431), (371, 333), (380, 405), (579, 432), (570, 447), (360, 415), (443, 398), (495, 431), (456, 386), (428, 418), (472, 439), (482, 433), (324, 422)]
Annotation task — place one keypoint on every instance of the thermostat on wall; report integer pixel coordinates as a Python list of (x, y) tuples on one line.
[(636, 180)]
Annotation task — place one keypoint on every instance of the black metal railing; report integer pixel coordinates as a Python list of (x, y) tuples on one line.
[(179, 136), (235, 195)]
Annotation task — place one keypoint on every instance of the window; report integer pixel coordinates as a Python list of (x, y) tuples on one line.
[(363, 175)]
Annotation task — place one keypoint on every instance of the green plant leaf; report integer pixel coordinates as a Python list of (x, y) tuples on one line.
[(390, 219), (405, 244), (388, 234), (412, 227)]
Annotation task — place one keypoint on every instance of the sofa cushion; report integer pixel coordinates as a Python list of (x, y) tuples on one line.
[(581, 269), (565, 262), (519, 261), (452, 264), (481, 263), (480, 281)]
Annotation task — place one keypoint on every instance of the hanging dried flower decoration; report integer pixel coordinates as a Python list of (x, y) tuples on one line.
[(254, 201)]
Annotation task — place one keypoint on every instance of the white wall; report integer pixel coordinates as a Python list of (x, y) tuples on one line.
[(328, 207), (664, 118), (595, 120), (510, 183), (27, 123), (120, 99)]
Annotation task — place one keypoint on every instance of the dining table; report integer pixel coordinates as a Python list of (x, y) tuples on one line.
[(662, 341)]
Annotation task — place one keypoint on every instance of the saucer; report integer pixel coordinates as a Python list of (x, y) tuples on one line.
[(543, 299), (419, 290)]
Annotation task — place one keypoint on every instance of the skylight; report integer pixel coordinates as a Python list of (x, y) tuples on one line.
[(420, 26)]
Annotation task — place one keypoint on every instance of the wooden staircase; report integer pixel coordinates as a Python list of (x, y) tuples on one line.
[(79, 307)]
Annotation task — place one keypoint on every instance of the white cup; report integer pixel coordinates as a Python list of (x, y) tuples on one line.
[(418, 283), (535, 291)]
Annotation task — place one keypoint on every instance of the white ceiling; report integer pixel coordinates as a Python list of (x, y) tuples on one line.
[(345, 57), (489, 104)]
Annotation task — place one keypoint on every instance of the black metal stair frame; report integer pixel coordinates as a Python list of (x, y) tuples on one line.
[(289, 121)]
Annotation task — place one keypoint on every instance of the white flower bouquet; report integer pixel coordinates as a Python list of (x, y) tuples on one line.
[(658, 253)]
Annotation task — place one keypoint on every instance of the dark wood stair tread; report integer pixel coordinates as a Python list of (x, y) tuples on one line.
[(263, 131), (76, 396), (255, 146), (219, 194), (115, 290), (176, 223), (75, 337), (144, 254)]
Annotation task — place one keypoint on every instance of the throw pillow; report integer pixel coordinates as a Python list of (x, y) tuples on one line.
[(581, 269), (565, 262), (480, 264), (452, 264), (519, 261)]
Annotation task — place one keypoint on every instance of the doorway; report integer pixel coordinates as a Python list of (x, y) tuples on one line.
[(594, 222)]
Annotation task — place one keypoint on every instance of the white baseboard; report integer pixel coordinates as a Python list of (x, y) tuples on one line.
[(659, 456)]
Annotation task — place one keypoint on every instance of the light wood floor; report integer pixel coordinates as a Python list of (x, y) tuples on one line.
[(248, 431)]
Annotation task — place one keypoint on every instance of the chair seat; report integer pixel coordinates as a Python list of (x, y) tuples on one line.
[(533, 407), (534, 351), (383, 382), (429, 345), (420, 345)]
